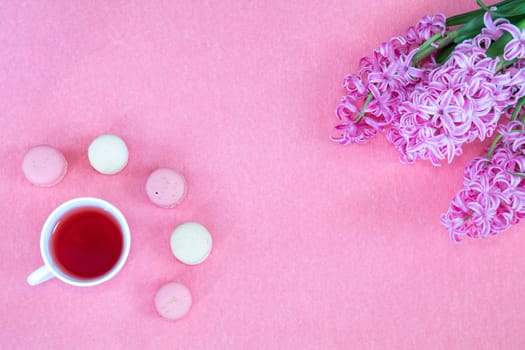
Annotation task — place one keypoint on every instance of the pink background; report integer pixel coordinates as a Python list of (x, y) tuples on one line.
[(317, 246)]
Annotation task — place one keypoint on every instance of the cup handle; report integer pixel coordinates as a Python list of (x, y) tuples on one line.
[(42, 274)]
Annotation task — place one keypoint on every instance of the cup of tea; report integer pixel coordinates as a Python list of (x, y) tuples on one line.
[(84, 242)]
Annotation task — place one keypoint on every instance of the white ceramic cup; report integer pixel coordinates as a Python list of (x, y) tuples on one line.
[(51, 269)]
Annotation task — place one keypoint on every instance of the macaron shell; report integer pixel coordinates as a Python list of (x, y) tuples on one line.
[(173, 300), (44, 166), (166, 187), (191, 243), (108, 154)]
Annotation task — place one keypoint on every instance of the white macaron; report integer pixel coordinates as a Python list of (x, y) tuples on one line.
[(108, 154), (191, 243)]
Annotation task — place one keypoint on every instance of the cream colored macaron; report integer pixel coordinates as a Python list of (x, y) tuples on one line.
[(191, 243), (108, 154)]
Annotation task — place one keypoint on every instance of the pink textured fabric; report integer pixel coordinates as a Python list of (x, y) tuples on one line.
[(316, 245)]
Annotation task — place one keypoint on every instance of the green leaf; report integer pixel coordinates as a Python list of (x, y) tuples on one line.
[(467, 16), (463, 18), (497, 47), (516, 19), (470, 29), (445, 54), (509, 10)]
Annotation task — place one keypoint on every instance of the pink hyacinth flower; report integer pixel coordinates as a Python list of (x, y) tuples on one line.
[(515, 48)]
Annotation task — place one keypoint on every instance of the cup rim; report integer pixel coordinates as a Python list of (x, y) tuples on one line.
[(66, 207)]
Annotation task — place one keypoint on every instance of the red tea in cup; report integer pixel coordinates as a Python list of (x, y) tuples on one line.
[(87, 243)]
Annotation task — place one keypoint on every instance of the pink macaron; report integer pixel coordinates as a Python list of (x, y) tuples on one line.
[(166, 187), (173, 300), (44, 165)]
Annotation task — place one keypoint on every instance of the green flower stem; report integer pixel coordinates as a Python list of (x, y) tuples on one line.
[(428, 49), (517, 110), (429, 41), (519, 106), (364, 108), (493, 146), (482, 5), (517, 174), (502, 64)]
